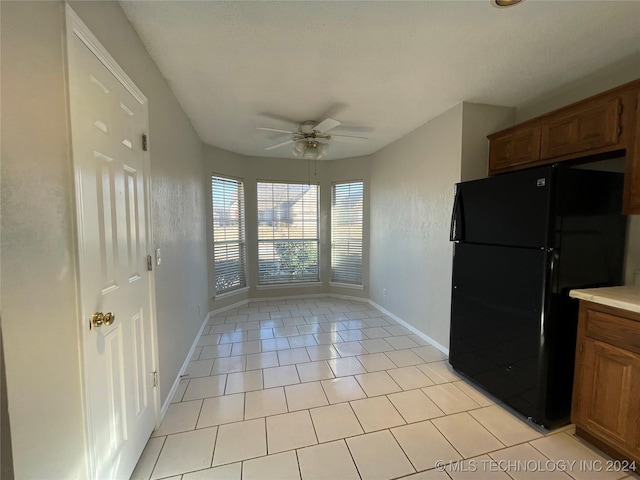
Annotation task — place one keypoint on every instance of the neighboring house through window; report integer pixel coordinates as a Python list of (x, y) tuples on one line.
[(346, 232), (288, 238), (229, 249)]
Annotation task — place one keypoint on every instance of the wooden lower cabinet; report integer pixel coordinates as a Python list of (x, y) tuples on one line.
[(606, 391)]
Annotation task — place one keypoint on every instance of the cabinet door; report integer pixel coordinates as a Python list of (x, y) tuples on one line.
[(632, 175), (516, 148), (609, 394), (588, 127)]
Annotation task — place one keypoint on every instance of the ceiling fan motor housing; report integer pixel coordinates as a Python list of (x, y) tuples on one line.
[(307, 127)]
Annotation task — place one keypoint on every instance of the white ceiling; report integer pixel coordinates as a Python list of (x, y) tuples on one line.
[(387, 67)]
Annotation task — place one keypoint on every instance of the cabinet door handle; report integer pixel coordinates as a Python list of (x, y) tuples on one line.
[(581, 348)]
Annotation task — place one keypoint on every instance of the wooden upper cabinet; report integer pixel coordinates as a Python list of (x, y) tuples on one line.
[(584, 127), (602, 126), (631, 203), (516, 148)]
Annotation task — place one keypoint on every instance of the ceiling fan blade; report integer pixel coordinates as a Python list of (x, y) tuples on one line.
[(278, 145), (279, 130), (326, 125), (348, 136), (281, 118)]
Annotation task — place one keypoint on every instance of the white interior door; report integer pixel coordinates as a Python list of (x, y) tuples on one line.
[(107, 125)]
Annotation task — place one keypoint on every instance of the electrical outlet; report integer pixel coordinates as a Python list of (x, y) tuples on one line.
[(384, 292)]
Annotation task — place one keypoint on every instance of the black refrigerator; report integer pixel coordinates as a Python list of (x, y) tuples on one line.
[(522, 241)]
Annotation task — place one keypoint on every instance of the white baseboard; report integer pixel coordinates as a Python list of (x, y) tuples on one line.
[(413, 329), (213, 313), (290, 297), (349, 297), (422, 335), (176, 383)]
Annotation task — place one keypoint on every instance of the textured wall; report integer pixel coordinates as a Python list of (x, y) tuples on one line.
[(478, 120), (178, 210), (411, 199), (39, 317)]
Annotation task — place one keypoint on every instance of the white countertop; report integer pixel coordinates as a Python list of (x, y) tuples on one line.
[(627, 298)]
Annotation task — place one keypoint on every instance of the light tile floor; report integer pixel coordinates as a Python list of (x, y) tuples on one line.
[(324, 388)]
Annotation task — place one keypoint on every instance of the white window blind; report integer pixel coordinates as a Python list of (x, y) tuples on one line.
[(346, 232), (228, 233), (287, 233)]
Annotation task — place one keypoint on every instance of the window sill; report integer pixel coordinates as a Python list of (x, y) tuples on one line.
[(274, 286), (346, 285), (231, 293)]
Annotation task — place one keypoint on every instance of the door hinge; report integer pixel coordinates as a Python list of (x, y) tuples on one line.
[(619, 131), (144, 142), (155, 378), (149, 263)]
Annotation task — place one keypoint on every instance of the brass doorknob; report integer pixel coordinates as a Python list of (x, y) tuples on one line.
[(98, 319), (108, 318)]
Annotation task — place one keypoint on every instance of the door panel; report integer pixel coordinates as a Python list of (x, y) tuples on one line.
[(107, 233), (107, 124), (133, 234), (140, 357), (116, 389)]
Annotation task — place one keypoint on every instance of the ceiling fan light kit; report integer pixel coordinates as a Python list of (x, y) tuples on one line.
[(299, 148), (505, 3), (310, 150)]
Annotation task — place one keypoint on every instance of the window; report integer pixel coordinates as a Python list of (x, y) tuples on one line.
[(287, 233), (346, 232), (228, 233)]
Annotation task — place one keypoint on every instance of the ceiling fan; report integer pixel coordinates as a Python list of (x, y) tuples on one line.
[(310, 139)]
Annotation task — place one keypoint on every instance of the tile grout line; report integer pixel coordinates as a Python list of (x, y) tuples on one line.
[(155, 464), (364, 432), (402, 449), (331, 345), (352, 458), (215, 442)]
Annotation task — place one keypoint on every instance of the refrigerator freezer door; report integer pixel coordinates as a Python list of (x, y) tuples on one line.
[(497, 321), (510, 210)]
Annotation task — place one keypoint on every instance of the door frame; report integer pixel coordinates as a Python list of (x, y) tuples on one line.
[(76, 27)]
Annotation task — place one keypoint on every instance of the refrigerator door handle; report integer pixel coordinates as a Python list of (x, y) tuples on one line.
[(456, 234)]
